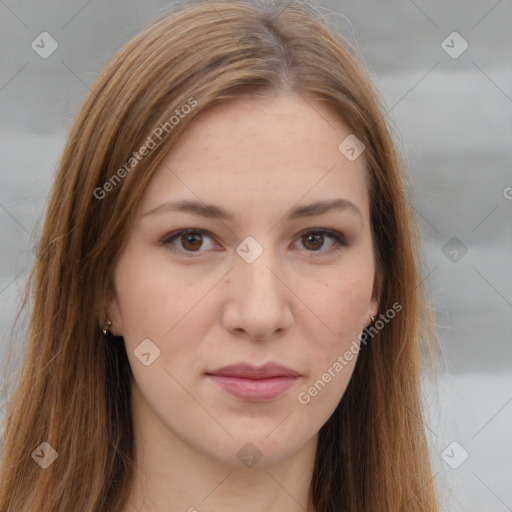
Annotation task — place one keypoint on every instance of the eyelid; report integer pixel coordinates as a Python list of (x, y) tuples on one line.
[(175, 235), (339, 238)]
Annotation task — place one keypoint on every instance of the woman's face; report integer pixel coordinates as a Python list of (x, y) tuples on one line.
[(260, 284)]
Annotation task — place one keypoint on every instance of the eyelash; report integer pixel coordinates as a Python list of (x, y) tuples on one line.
[(338, 237)]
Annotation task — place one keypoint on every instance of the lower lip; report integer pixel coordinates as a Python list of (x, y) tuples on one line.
[(254, 390)]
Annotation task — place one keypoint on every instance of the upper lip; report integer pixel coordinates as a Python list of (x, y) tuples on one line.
[(255, 372)]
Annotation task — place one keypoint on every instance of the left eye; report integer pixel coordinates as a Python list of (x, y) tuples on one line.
[(315, 239), (192, 240)]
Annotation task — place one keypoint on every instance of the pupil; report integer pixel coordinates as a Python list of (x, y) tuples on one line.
[(318, 238), (189, 239)]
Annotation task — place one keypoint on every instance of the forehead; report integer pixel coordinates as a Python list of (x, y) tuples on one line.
[(263, 153)]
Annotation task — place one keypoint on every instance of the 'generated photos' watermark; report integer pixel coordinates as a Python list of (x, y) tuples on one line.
[(151, 143)]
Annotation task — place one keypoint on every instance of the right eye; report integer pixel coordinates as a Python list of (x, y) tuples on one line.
[(190, 240)]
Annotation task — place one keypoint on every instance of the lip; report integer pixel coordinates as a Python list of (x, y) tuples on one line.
[(254, 383)]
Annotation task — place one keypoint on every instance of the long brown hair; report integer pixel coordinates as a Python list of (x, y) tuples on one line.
[(74, 389)]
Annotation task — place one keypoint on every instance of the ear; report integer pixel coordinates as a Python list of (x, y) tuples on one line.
[(372, 309), (373, 306), (112, 311)]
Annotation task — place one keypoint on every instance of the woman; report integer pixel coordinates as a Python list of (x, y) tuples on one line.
[(227, 306)]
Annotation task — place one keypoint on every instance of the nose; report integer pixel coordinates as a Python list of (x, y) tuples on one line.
[(258, 300)]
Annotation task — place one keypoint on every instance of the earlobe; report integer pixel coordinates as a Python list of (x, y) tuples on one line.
[(372, 311), (374, 307), (112, 312)]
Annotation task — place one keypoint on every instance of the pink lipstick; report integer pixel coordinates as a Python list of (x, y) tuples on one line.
[(254, 383)]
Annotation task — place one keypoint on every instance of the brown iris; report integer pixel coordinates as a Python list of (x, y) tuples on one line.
[(316, 240), (192, 241)]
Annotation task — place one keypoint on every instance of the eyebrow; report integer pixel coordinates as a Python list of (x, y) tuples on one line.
[(213, 211)]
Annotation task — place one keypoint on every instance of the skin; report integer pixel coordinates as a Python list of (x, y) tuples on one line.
[(301, 303)]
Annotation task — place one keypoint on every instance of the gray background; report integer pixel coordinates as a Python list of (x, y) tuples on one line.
[(452, 120)]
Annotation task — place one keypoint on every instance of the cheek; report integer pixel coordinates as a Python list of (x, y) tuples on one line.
[(166, 306), (151, 299), (341, 303), (334, 342)]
